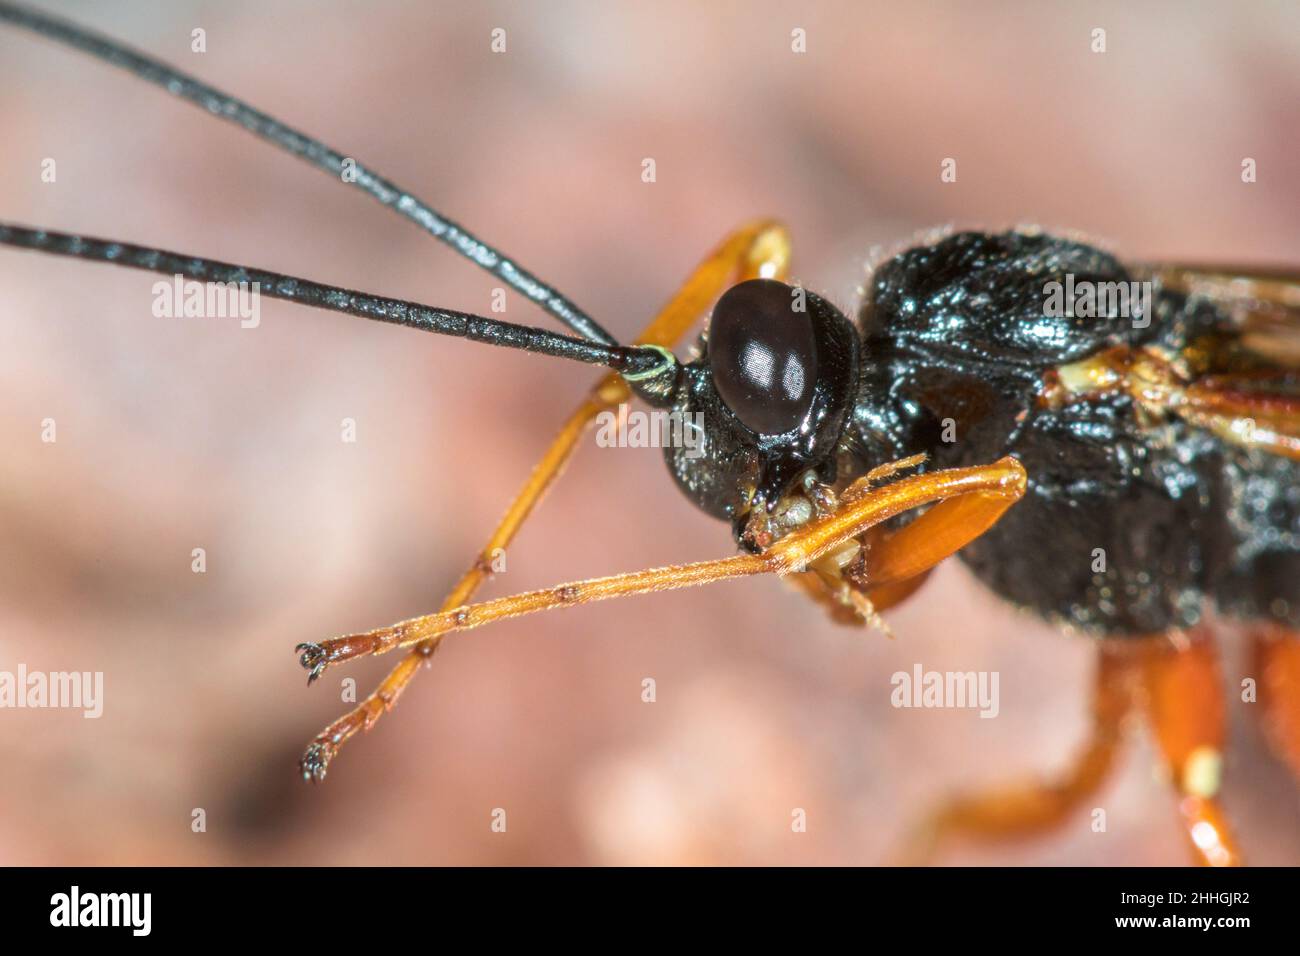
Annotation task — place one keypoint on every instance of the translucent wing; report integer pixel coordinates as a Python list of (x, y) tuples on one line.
[(1264, 304), (1245, 380)]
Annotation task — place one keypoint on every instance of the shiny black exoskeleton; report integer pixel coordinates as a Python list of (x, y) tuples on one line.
[(1127, 527), (774, 388)]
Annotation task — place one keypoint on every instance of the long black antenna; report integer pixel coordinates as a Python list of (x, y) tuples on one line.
[(265, 127), (636, 362)]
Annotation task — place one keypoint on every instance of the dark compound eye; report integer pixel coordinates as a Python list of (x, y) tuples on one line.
[(763, 355)]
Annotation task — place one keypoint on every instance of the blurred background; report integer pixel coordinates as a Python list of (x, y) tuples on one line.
[(175, 434)]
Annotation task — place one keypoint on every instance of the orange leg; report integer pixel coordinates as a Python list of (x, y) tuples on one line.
[(1277, 666), (846, 604), (968, 500), (761, 249), (1037, 806), (1184, 701), (883, 598), (858, 600), (826, 592)]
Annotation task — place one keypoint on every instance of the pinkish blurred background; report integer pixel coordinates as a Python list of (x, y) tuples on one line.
[(175, 434)]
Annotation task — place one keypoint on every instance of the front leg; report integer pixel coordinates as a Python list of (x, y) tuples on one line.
[(967, 501), (759, 249)]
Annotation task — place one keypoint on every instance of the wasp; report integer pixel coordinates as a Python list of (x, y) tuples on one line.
[(1112, 446)]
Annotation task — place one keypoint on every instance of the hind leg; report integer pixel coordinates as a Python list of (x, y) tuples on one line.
[(1175, 682), (1183, 699), (1277, 668), (1037, 807)]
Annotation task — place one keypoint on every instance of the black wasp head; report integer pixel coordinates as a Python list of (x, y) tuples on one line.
[(765, 403)]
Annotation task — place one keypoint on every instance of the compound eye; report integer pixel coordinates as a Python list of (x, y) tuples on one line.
[(763, 355)]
